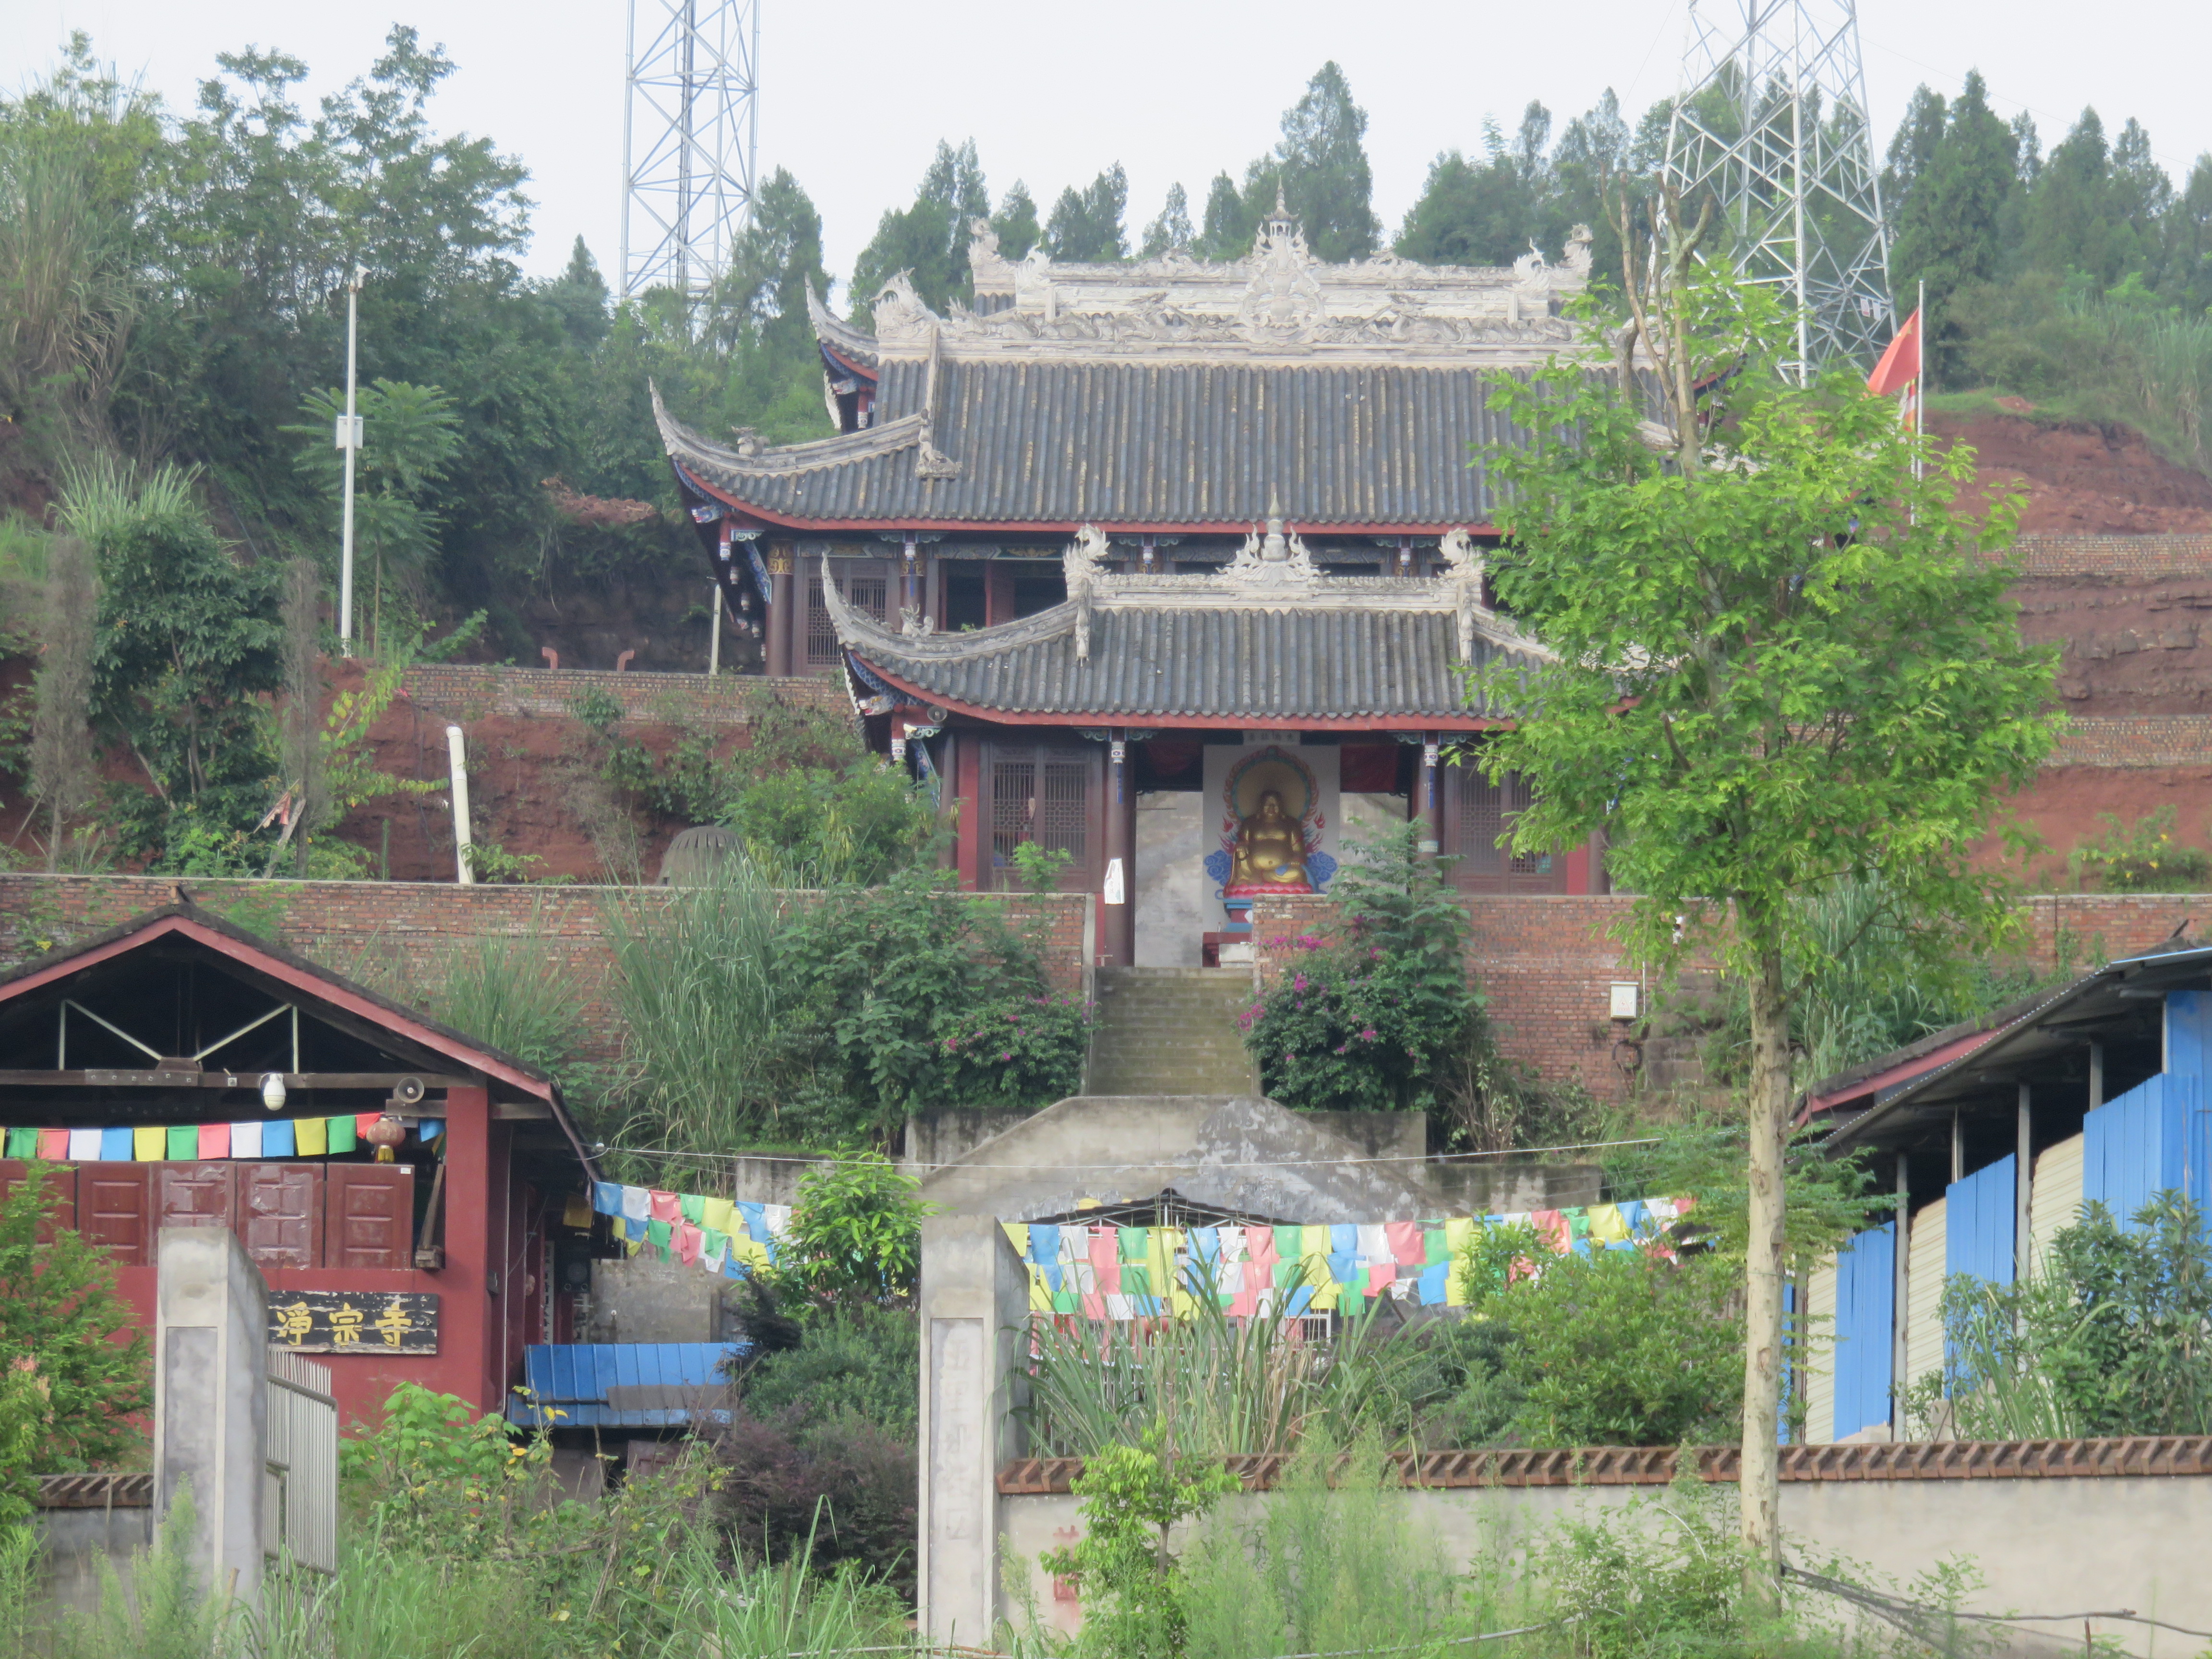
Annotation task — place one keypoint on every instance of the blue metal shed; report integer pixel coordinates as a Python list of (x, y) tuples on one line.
[(623, 1385)]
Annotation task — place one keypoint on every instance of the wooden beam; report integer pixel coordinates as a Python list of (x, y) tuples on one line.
[(526, 1110), (226, 1080)]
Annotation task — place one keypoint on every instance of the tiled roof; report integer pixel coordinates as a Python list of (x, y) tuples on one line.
[(1320, 662), (1111, 443)]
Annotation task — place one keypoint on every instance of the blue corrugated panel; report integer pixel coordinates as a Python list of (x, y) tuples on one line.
[(1979, 1220), (2188, 1033), (1865, 1351), (569, 1383), (2137, 1144)]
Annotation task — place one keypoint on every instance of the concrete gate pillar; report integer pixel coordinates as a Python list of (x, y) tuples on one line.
[(211, 1400), (974, 1326)]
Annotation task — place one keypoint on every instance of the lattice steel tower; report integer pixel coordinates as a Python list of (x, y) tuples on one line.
[(690, 124), (1771, 120)]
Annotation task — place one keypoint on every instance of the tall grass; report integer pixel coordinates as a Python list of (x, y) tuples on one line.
[(508, 992), (2156, 364), (1220, 1388), (700, 989)]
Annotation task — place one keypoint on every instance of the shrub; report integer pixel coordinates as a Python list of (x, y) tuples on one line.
[(1020, 1051), (1371, 1022), (856, 1231), (2111, 1336), (1132, 1587), (2143, 858), (839, 1489), (60, 1312), (881, 980), (1620, 1347), (858, 1360)]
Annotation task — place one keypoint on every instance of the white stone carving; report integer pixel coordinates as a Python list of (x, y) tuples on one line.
[(1272, 560), (1283, 300), (1459, 554), (900, 316), (991, 269)]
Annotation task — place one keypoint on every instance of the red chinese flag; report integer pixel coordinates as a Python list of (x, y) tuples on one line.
[(1901, 365)]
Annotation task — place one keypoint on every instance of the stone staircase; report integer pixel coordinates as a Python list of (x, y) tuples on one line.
[(1171, 1031)]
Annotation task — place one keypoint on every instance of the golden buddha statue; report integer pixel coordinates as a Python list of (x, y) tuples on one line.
[(1270, 853)]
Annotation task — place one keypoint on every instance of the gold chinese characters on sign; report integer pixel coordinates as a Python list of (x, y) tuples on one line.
[(353, 1322)]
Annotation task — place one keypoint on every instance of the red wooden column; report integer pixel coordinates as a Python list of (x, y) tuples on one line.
[(1118, 894), (1429, 796), (474, 1233), (780, 606)]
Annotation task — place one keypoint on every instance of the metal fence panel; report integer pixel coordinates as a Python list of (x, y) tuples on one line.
[(1866, 1300), (299, 1512), (1979, 1223)]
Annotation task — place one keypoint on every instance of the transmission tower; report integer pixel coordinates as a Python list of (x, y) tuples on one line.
[(1772, 122), (690, 123)]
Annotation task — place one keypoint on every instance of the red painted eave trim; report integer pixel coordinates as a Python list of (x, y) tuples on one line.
[(1868, 1088), (1069, 527), (320, 990), (926, 700)]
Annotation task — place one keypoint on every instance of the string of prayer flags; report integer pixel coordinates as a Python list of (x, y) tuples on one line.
[(730, 1238), (254, 1139), (1139, 1272)]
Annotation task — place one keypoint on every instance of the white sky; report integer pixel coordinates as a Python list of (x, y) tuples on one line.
[(855, 93)]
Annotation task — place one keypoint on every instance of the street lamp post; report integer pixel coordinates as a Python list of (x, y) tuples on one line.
[(349, 440)]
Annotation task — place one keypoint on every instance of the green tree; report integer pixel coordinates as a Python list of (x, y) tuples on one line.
[(1782, 659), (63, 763), (60, 1319), (1321, 162), (2070, 211), (1618, 1347), (1085, 226), (1172, 229), (855, 1230), (1949, 224), (1016, 222), (1133, 1585), (1226, 228), (410, 436), (1913, 146), (929, 239), (188, 641)]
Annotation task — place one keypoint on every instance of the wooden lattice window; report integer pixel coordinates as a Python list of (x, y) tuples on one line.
[(1046, 795), (865, 586), (1479, 812)]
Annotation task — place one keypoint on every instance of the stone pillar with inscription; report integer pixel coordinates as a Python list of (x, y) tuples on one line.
[(975, 1321), (211, 1401)]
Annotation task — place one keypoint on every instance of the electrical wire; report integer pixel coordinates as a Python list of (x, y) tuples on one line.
[(601, 1151)]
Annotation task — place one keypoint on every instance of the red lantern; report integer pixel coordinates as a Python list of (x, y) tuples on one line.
[(384, 1134)]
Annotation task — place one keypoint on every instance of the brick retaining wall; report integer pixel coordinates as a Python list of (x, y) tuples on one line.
[(464, 691), (396, 937), (1546, 961), (2121, 558), (2141, 740)]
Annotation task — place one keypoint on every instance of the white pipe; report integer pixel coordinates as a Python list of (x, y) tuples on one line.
[(714, 640), (456, 756)]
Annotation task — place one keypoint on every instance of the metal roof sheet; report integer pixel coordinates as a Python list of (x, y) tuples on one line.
[(623, 1384), (1165, 443)]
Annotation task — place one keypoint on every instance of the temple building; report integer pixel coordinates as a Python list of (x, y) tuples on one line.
[(1173, 568)]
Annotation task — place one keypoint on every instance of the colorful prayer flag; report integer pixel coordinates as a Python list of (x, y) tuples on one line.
[(245, 1140), (84, 1145), (280, 1138), (214, 1141), (184, 1142), (22, 1143), (339, 1132), (148, 1143), (312, 1135)]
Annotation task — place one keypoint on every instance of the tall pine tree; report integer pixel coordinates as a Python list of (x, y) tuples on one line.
[(1086, 224), (928, 240), (1949, 222)]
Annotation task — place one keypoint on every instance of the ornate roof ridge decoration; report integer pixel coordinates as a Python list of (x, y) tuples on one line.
[(1269, 574), (1280, 302), (751, 457)]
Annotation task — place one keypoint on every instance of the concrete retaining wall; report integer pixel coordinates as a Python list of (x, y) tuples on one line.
[(2062, 1546)]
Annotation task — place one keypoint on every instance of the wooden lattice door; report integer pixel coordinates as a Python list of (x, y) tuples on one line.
[(1476, 814), (866, 585), (1046, 794)]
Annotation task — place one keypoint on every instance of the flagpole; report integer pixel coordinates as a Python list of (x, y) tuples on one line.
[(1920, 378)]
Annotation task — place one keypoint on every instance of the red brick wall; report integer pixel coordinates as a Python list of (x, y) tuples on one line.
[(471, 691), (396, 937), (1545, 961)]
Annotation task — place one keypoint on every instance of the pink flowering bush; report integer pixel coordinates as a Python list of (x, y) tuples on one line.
[(1023, 1051), (1368, 1022)]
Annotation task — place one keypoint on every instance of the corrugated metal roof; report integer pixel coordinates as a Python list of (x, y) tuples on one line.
[(623, 1385), (1319, 663), (1107, 443)]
